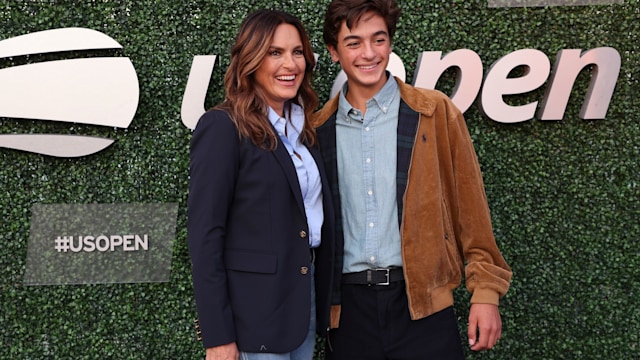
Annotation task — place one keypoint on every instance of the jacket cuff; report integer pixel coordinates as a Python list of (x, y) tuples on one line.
[(485, 296)]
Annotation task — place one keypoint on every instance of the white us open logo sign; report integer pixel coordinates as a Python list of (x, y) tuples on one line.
[(71, 90)]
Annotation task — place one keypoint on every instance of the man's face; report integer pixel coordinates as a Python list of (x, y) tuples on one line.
[(363, 52)]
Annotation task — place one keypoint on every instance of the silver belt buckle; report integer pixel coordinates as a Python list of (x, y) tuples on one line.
[(386, 274)]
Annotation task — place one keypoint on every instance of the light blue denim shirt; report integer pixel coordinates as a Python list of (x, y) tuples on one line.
[(366, 150), (308, 175)]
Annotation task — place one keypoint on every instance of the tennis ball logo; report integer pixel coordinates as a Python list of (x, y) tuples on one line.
[(100, 91)]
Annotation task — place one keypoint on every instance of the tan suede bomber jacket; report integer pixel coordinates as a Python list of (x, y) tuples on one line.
[(446, 225)]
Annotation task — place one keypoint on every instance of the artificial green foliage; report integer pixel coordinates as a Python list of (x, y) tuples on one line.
[(564, 194)]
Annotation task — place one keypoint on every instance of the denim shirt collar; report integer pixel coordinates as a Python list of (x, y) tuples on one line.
[(382, 99)]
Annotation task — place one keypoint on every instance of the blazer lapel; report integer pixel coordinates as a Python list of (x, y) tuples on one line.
[(284, 159)]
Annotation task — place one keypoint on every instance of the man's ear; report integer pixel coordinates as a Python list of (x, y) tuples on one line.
[(334, 53)]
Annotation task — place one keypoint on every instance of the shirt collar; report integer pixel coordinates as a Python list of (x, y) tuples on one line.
[(295, 116), (385, 96), (382, 98)]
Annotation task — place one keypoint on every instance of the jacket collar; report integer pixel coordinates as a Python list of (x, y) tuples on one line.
[(418, 100)]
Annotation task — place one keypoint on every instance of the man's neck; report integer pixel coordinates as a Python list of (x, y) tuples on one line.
[(358, 97)]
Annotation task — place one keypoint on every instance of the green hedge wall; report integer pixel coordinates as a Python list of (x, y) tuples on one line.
[(564, 194)]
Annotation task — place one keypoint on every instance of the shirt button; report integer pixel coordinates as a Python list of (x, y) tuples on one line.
[(373, 258), (366, 129), (371, 225), (304, 270), (303, 234), (368, 160), (370, 192)]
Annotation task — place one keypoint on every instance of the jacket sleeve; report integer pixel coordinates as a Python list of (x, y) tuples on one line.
[(487, 273), (213, 169)]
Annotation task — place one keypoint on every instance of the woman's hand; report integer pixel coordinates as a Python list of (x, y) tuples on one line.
[(223, 352)]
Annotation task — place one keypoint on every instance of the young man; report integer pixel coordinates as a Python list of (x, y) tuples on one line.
[(411, 211)]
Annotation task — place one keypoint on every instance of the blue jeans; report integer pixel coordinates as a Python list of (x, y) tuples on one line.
[(306, 349)]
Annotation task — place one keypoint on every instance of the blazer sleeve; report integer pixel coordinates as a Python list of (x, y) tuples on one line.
[(213, 171)]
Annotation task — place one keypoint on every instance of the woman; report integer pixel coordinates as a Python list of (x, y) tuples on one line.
[(258, 206)]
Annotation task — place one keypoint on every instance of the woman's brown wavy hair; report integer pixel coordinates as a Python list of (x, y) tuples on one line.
[(245, 101)]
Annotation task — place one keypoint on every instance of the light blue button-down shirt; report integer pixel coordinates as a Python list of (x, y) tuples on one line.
[(366, 150), (308, 175)]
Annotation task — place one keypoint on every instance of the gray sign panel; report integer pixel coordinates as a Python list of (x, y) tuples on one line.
[(535, 3), (100, 243)]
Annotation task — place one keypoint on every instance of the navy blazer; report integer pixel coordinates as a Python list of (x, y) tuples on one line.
[(248, 242)]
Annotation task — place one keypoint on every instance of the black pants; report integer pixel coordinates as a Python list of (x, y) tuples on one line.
[(375, 324)]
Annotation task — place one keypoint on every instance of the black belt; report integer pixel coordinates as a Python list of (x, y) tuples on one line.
[(374, 277)]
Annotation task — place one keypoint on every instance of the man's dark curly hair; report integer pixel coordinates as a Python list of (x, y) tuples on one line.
[(352, 11)]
